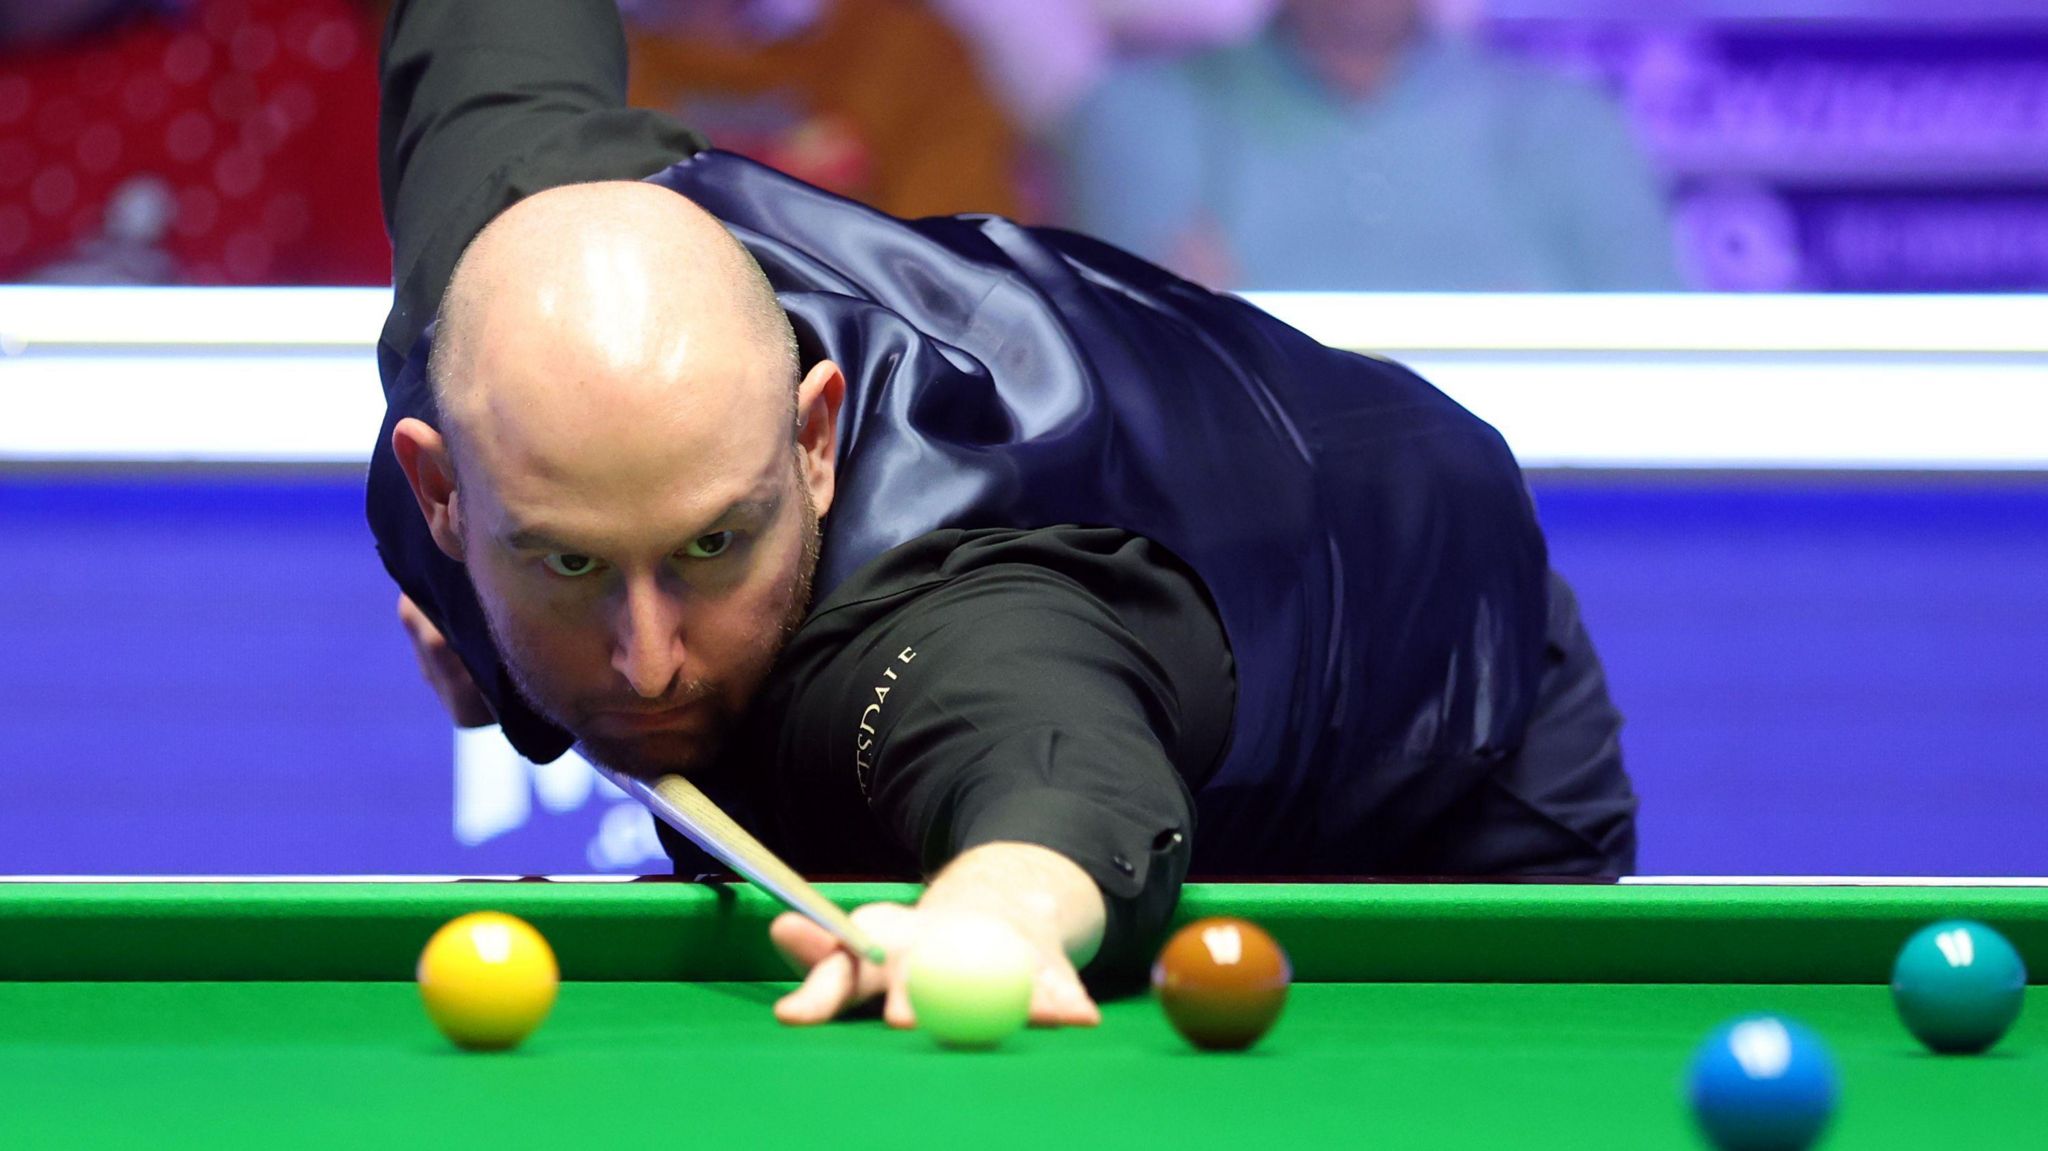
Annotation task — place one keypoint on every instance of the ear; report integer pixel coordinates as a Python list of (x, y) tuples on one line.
[(818, 399), (430, 469)]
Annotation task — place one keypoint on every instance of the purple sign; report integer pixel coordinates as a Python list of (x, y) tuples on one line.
[(1806, 156)]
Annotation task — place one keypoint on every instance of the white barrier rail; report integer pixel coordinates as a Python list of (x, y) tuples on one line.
[(1935, 383)]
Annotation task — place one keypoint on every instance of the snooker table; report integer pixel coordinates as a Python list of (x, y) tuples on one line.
[(226, 1014)]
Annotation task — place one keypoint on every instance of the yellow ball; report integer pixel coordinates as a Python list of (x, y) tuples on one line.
[(487, 979)]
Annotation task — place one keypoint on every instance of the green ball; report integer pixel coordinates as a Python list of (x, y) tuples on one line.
[(1958, 986), (970, 981)]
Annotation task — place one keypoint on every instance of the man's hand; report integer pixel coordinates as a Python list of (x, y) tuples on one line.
[(836, 982), (1051, 904), (442, 668)]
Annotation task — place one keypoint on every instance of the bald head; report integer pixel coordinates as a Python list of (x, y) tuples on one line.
[(643, 475), (587, 305)]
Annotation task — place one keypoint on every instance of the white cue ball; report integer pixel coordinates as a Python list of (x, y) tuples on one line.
[(970, 981)]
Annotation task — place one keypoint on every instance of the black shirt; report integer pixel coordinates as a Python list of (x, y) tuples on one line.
[(1069, 687)]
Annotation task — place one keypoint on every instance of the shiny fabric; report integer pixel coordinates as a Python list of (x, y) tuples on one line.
[(1369, 545)]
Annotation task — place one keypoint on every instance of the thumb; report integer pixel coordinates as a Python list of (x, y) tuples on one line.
[(803, 943)]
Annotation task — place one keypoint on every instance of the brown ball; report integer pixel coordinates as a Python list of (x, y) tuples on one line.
[(1222, 982)]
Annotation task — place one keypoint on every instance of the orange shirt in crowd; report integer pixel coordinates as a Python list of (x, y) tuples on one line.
[(877, 100), (232, 143)]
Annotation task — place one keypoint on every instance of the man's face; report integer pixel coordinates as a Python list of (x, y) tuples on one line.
[(1353, 25), (640, 596)]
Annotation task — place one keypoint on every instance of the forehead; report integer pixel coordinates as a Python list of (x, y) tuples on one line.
[(623, 457)]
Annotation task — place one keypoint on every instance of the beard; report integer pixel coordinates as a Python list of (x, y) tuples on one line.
[(687, 751)]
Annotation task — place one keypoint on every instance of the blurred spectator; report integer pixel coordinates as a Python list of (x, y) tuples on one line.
[(199, 141), (873, 99), (1045, 55), (1350, 147)]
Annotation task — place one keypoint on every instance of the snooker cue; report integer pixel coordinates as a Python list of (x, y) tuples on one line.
[(682, 805)]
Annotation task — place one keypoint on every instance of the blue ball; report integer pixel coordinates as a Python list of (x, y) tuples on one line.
[(1958, 986), (1762, 1083)]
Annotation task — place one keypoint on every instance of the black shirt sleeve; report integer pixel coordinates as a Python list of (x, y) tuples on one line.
[(1068, 687)]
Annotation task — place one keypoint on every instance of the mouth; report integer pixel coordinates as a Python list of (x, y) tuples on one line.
[(641, 722)]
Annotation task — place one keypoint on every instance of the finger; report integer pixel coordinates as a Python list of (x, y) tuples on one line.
[(1059, 1000), (426, 638), (466, 706), (895, 927), (835, 980), (446, 661), (828, 990), (800, 941), (896, 1009), (473, 710), (444, 672), (413, 618)]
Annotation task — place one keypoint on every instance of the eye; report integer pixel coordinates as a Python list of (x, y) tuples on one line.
[(710, 547), (568, 564)]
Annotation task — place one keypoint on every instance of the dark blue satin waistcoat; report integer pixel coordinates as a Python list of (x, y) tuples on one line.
[(1369, 544)]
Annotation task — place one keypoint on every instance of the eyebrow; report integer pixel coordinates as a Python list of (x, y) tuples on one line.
[(527, 537)]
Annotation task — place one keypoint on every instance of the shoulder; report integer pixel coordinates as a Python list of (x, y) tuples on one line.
[(952, 615), (980, 571), (1045, 596), (1010, 627)]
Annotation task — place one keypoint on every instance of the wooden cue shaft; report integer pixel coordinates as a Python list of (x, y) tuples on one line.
[(682, 805)]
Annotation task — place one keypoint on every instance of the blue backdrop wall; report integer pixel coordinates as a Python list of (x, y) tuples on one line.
[(203, 675)]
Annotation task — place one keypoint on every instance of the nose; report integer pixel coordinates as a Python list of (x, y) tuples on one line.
[(647, 643)]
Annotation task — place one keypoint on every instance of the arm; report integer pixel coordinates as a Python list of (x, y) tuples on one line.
[(489, 101), (1034, 753)]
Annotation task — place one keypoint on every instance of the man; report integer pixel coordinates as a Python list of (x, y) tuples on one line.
[(1418, 162), (967, 550)]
